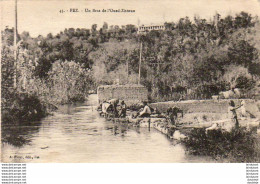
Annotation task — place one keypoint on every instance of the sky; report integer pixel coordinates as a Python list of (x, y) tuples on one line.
[(43, 17)]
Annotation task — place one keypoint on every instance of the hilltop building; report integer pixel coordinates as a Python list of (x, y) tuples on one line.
[(147, 28)]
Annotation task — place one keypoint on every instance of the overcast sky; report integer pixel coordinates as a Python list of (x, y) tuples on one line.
[(43, 17)]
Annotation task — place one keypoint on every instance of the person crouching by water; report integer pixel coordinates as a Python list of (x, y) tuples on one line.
[(114, 103), (146, 112), (122, 112), (232, 112)]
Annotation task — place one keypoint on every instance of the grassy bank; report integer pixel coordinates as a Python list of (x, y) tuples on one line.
[(239, 145)]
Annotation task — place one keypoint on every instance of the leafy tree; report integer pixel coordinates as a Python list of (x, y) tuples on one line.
[(70, 82)]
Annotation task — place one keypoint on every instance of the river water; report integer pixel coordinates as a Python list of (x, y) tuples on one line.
[(76, 133)]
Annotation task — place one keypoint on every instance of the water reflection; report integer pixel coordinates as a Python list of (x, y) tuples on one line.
[(76, 133), (18, 135)]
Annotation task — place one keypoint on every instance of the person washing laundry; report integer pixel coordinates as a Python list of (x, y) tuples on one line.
[(232, 112), (114, 103), (122, 111), (146, 112)]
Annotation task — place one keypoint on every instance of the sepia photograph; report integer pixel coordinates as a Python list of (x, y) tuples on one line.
[(120, 81)]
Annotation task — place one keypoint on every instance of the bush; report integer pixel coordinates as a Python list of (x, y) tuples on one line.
[(239, 145), (22, 107), (69, 82)]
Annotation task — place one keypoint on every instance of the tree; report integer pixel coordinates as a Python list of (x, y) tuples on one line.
[(233, 73), (242, 53), (94, 29), (70, 81)]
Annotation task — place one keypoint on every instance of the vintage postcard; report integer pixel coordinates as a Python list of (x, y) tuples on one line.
[(120, 81)]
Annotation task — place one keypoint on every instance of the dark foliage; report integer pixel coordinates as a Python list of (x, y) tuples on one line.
[(21, 107), (239, 145)]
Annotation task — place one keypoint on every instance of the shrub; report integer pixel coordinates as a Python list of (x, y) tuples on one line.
[(239, 145), (22, 107), (69, 82)]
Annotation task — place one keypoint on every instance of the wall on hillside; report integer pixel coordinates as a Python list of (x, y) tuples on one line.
[(129, 93), (206, 106)]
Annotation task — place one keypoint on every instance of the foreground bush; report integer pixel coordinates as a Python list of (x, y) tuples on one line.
[(239, 145), (21, 107)]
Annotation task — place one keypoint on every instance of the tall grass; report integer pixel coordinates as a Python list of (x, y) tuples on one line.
[(239, 145)]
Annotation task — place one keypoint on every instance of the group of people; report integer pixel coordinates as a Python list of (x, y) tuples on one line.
[(118, 108), (233, 114), (111, 106)]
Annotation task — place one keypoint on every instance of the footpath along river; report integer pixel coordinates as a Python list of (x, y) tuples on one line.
[(76, 133)]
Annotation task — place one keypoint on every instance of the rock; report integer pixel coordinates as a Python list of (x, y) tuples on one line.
[(45, 147), (258, 131), (178, 136), (237, 92), (215, 97), (213, 127)]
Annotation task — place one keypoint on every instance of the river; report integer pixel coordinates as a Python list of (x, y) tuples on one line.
[(77, 134)]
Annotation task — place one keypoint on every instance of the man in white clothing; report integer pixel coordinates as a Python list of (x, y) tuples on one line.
[(146, 112)]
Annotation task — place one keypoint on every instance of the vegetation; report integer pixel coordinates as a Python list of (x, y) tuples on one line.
[(35, 94), (239, 145), (189, 59), (22, 107)]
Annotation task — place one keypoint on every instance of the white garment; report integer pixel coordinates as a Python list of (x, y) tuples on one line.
[(105, 106), (243, 108), (146, 110)]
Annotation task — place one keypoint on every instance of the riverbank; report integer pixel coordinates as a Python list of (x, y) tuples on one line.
[(238, 144), (206, 130), (77, 134)]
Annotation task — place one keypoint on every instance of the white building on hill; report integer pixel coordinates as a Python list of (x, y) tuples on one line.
[(147, 28)]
